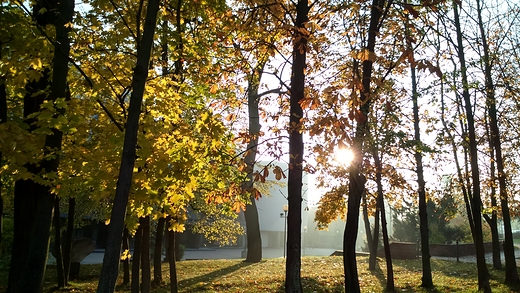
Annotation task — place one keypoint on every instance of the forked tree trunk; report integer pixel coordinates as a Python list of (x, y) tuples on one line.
[(390, 287), (110, 269)]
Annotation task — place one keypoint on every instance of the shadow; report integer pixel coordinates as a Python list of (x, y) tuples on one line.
[(314, 285), (198, 283), (378, 272)]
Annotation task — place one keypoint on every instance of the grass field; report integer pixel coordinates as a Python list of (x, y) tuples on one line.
[(319, 274)]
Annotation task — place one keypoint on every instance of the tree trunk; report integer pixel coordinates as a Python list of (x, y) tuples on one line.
[(372, 237), (171, 261), (126, 261), (34, 202), (493, 220), (254, 239), (145, 255), (58, 244), (136, 259), (390, 287), (509, 252), (157, 255), (427, 281), (476, 204), (293, 262), (69, 238), (356, 179), (110, 269)]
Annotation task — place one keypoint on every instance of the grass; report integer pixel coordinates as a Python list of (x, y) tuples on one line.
[(319, 274)]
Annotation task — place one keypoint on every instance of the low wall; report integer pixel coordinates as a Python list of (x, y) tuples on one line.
[(400, 250), (462, 249)]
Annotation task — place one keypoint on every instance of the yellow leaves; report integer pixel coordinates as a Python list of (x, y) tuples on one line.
[(214, 89), (126, 254), (364, 55)]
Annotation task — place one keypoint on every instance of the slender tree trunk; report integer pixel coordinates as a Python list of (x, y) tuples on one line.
[(427, 281), (136, 259), (69, 238), (126, 261), (145, 256), (390, 287), (110, 269), (58, 244), (254, 239), (293, 262), (372, 237), (509, 251), (356, 179), (34, 202), (157, 256), (171, 261), (476, 204), (493, 220)]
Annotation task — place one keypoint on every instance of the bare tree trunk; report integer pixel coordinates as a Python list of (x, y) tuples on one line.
[(110, 269)]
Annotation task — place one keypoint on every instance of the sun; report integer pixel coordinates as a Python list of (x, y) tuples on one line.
[(343, 156)]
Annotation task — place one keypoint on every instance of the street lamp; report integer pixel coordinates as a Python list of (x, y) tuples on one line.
[(283, 215)]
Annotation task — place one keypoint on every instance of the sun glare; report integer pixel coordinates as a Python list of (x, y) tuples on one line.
[(344, 156)]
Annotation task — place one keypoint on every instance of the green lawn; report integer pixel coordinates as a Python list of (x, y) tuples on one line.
[(319, 274)]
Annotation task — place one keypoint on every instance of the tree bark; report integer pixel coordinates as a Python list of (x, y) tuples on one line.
[(3, 119), (69, 238), (293, 262), (126, 261), (110, 269), (427, 281), (58, 244), (254, 239), (356, 179), (34, 202), (390, 286), (476, 203), (136, 259), (157, 256), (509, 251), (145, 255), (171, 261)]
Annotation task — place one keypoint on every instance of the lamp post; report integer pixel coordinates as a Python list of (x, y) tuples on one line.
[(283, 215)]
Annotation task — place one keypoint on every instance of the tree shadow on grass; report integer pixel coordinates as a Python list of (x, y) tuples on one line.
[(199, 283)]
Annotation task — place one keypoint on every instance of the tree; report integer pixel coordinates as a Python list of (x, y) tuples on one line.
[(476, 203), (495, 141), (110, 267), (34, 201)]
